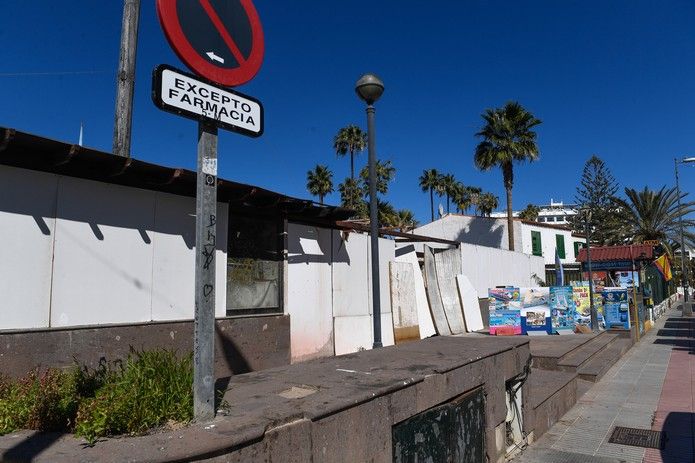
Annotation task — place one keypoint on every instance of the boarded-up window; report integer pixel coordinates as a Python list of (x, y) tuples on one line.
[(536, 247), (577, 246), (254, 265)]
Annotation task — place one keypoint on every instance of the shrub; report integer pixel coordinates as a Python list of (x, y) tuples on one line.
[(145, 391)]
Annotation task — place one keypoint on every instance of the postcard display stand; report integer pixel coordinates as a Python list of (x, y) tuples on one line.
[(616, 308), (505, 310), (535, 311)]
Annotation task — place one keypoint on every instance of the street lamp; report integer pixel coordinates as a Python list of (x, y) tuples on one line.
[(370, 88), (687, 310), (594, 315)]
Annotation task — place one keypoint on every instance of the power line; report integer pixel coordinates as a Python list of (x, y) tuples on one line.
[(52, 73)]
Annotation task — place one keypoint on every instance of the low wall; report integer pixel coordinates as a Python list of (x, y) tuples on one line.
[(333, 409), (241, 345)]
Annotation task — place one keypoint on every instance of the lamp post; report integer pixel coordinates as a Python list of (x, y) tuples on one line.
[(594, 315), (687, 311), (370, 88)]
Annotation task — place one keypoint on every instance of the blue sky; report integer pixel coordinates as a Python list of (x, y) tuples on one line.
[(616, 79)]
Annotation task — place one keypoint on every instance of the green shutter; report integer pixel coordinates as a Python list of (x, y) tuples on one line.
[(560, 243), (536, 246), (577, 246)]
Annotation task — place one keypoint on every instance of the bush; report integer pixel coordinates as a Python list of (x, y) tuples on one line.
[(145, 391), (150, 389)]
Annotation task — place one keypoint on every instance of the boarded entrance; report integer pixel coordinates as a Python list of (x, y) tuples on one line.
[(452, 432)]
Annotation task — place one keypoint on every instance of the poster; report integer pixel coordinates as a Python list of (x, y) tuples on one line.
[(582, 305), (616, 308), (535, 310), (562, 309), (505, 310)]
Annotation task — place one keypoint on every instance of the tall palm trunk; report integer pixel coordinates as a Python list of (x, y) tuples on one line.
[(321, 199), (352, 165), (508, 175), (510, 220), (432, 204), (447, 203)]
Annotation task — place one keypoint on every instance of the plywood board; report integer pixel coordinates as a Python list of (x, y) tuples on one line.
[(424, 316), (471, 305), (403, 302), (435, 299), (448, 265)]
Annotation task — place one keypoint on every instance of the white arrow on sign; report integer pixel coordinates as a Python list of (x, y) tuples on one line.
[(214, 57)]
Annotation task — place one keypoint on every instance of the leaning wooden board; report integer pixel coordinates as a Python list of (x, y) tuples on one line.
[(448, 265), (435, 299), (471, 304), (403, 303), (407, 254)]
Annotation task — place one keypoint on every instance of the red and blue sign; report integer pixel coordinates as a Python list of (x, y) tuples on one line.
[(220, 40)]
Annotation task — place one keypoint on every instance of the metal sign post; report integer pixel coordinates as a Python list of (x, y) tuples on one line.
[(205, 245), (222, 42)]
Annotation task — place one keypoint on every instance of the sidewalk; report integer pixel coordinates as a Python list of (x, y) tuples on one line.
[(651, 387)]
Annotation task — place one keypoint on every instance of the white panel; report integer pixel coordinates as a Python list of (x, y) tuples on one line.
[(387, 253), (404, 302), (27, 227), (309, 292), (448, 265), (354, 333), (103, 254), (173, 292), (471, 304), (351, 281), (423, 307)]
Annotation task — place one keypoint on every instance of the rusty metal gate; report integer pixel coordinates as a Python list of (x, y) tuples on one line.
[(453, 432)]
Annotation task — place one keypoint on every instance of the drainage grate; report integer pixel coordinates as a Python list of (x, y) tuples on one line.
[(637, 437)]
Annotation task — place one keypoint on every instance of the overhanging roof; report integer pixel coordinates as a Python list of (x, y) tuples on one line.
[(26, 151), (618, 253)]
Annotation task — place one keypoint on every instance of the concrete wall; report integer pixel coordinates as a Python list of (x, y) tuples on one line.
[(78, 252), (242, 344), (489, 267), (329, 291), (483, 231)]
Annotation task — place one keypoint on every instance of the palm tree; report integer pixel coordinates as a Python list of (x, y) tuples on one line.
[(319, 181), (652, 215), (508, 136), (530, 212), (448, 186), (352, 140), (487, 202), (405, 220), (430, 180), (351, 197), (385, 172)]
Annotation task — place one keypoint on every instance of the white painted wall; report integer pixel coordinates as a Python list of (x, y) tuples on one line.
[(94, 253), (27, 227), (492, 232), (329, 292), (309, 291), (548, 242), (489, 267)]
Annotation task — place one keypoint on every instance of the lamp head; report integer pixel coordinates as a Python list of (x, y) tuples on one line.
[(369, 88)]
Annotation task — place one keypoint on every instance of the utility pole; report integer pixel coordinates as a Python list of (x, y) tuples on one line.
[(125, 81)]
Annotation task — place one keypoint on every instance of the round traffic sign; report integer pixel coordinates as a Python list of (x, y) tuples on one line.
[(221, 40)]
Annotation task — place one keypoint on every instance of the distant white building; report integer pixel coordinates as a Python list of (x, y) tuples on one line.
[(553, 213), (532, 238)]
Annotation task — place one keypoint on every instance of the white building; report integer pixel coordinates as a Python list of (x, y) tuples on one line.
[(532, 238), (92, 239), (554, 213)]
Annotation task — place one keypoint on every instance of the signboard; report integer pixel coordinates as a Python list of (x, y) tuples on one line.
[(221, 40), (535, 311), (562, 309), (183, 94), (616, 308), (608, 265), (505, 310)]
